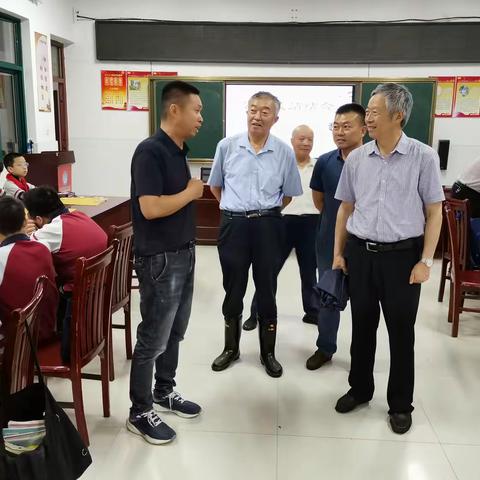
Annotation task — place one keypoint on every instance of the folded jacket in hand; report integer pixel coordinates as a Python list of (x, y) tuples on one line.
[(332, 290)]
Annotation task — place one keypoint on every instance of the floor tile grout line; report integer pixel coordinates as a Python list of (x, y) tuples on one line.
[(440, 443), (277, 421)]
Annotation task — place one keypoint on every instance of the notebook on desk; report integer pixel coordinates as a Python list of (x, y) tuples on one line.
[(84, 201)]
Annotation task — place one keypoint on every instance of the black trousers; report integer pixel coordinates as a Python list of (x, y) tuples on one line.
[(245, 242), (381, 280), (300, 234), (462, 192)]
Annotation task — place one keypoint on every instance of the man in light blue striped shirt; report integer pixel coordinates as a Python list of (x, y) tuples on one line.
[(254, 175), (386, 232)]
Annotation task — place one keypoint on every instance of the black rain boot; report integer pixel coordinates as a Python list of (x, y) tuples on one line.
[(231, 352), (250, 323), (267, 332)]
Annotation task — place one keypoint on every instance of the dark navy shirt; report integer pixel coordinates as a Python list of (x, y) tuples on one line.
[(325, 178), (159, 167)]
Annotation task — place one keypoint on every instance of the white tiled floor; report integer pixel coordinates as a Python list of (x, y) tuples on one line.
[(255, 427)]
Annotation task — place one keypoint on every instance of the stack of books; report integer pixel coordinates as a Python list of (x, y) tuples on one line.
[(23, 437)]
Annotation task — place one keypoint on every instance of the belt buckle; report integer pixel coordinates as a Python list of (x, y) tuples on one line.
[(371, 247), (253, 215)]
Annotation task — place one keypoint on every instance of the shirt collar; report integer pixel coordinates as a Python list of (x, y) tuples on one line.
[(171, 146), (401, 147), (18, 237), (268, 147)]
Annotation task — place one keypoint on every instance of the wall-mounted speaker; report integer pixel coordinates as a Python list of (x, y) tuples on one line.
[(443, 149)]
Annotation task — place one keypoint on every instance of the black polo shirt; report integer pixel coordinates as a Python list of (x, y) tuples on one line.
[(159, 167)]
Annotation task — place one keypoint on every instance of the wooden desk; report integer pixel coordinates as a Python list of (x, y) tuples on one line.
[(114, 211)]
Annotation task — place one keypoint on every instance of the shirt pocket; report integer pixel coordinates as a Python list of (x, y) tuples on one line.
[(271, 185)]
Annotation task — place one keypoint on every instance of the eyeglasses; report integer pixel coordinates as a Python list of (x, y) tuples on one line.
[(22, 165)]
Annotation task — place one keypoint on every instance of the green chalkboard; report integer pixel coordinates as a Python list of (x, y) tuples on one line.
[(212, 93), (420, 125)]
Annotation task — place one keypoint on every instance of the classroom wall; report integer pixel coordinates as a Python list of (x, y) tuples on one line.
[(53, 18), (104, 141)]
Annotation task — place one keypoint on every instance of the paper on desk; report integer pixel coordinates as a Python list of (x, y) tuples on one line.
[(85, 201)]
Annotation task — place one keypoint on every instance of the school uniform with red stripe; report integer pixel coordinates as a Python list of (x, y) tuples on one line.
[(68, 236), (21, 263)]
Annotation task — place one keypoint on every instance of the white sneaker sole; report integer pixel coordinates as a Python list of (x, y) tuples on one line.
[(154, 441), (159, 408)]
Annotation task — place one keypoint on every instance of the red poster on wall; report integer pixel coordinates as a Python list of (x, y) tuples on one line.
[(114, 90)]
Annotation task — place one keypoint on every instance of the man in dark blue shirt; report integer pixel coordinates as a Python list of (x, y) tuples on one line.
[(348, 131), (162, 192)]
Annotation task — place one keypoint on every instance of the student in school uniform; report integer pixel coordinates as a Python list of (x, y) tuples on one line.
[(68, 236), (21, 263), (16, 184)]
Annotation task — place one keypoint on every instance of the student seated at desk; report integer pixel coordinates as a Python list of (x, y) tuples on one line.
[(16, 184), (21, 263), (68, 235)]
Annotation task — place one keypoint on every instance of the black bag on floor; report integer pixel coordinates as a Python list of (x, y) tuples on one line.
[(61, 454)]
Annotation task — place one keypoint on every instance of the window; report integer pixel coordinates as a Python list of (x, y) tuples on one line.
[(12, 110)]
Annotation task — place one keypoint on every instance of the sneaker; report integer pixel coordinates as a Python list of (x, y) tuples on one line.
[(151, 427), (176, 404)]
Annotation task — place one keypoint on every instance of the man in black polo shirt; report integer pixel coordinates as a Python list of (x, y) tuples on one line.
[(162, 192)]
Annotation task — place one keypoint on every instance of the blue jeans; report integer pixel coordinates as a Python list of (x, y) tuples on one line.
[(166, 291)]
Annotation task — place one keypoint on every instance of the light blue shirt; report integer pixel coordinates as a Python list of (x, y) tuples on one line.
[(390, 193), (254, 181)]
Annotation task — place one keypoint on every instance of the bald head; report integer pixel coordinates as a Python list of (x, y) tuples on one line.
[(302, 142)]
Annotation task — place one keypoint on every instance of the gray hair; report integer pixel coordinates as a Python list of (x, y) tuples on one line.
[(270, 96), (397, 99)]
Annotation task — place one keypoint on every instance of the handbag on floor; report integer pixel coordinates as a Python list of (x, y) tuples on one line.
[(61, 454)]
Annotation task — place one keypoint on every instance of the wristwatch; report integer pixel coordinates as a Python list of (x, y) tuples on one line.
[(427, 261)]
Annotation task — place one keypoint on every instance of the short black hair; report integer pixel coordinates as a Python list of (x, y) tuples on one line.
[(176, 92), (9, 159), (352, 107), (12, 216), (43, 202)]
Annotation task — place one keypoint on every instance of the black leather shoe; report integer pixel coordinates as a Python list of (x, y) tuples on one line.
[(401, 422), (347, 403), (317, 360), (250, 323), (311, 319)]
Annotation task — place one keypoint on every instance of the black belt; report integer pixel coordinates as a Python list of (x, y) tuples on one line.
[(185, 246), (270, 212), (378, 247)]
